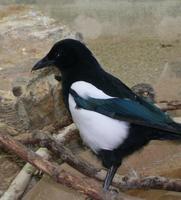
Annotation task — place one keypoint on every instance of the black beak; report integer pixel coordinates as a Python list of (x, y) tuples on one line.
[(45, 62)]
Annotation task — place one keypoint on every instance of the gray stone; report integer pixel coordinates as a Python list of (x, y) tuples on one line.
[(8, 129), (41, 103), (43, 100)]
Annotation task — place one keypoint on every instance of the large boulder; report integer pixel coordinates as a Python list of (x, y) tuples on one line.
[(27, 35), (41, 101)]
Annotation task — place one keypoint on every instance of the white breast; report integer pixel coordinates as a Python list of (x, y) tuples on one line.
[(97, 131)]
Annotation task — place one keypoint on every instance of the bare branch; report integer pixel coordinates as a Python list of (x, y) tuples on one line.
[(20, 183), (150, 182), (64, 135), (169, 105), (85, 185), (122, 182)]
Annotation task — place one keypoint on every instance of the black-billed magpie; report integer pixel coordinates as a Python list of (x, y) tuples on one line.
[(112, 120)]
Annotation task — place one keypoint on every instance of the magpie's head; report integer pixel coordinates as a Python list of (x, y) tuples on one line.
[(64, 55)]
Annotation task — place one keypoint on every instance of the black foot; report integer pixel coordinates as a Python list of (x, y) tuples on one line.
[(109, 177)]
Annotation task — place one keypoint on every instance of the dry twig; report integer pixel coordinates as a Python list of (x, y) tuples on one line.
[(122, 182), (169, 105), (20, 183), (87, 186), (64, 135)]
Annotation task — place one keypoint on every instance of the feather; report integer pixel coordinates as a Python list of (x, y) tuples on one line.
[(137, 112)]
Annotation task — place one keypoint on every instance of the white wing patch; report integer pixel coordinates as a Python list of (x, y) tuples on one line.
[(85, 89), (97, 131)]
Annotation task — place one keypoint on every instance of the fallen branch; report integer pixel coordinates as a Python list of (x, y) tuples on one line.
[(87, 186), (29, 138), (64, 135), (169, 105), (122, 182), (67, 156), (20, 183), (150, 182), (67, 134)]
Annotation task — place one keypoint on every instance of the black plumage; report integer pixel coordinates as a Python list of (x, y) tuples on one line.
[(146, 122)]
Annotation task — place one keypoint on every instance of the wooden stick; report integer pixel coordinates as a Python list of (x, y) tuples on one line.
[(67, 134), (67, 156), (20, 183), (64, 135), (122, 182), (150, 182), (169, 105), (87, 186), (88, 169)]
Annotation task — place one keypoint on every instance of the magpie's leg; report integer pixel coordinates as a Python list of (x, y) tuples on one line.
[(109, 177)]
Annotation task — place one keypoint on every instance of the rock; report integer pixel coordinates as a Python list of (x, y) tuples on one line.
[(27, 35), (8, 129), (22, 114), (6, 96), (41, 103)]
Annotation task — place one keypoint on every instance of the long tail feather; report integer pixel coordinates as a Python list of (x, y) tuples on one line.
[(167, 135)]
